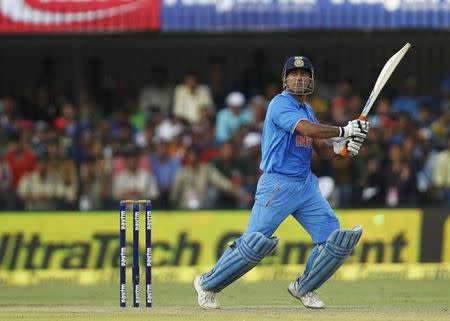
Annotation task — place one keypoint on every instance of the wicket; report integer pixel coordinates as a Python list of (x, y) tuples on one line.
[(136, 204)]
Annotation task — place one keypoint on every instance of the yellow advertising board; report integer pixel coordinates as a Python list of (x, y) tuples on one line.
[(84, 247)]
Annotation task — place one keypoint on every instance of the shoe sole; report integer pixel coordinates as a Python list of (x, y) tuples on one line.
[(308, 307)]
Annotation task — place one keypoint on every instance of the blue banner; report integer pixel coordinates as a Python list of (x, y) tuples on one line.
[(277, 15)]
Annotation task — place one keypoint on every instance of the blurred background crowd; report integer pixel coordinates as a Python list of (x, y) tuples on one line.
[(196, 144)]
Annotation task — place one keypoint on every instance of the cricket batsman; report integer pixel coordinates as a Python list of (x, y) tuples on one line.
[(287, 187)]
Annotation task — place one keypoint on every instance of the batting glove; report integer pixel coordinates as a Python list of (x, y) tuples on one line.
[(353, 146), (355, 128)]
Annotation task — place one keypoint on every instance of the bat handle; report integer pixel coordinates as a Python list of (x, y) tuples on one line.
[(344, 150)]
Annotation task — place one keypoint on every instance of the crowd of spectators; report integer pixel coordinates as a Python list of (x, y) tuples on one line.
[(197, 145)]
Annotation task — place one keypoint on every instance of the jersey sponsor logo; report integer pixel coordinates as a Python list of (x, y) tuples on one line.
[(303, 141), (24, 11)]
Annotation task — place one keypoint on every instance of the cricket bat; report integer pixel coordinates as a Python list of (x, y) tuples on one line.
[(385, 73)]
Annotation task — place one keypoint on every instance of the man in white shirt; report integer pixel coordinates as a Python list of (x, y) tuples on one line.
[(41, 189), (134, 182), (190, 97), (157, 93)]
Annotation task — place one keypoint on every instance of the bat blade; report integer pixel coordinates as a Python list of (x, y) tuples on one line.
[(383, 77)]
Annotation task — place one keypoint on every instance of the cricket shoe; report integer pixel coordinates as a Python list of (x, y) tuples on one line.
[(310, 300), (206, 299)]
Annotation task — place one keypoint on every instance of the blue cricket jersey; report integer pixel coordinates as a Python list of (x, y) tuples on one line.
[(284, 150)]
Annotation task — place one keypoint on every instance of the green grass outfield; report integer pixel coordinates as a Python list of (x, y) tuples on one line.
[(349, 301)]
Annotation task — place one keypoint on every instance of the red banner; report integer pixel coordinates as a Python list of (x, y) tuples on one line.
[(62, 16)]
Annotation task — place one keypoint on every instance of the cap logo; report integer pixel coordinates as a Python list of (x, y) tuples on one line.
[(298, 62)]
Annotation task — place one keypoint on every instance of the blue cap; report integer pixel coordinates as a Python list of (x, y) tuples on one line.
[(297, 62)]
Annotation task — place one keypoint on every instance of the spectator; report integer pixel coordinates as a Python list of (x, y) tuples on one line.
[(95, 192), (404, 127), (168, 129), (66, 169), (193, 181), (208, 145), (205, 123), (41, 189), (134, 182), (441, 173), (252, 145), (344, 89), (179, 145), (258, 108), (230, 119), (400, 182), (138, 117), (165, 169), (9, 115), (121, 127), (91, 139), (146, 138), (383, 116), (338, 111), (427, 163), (354, 104), (232, 168), (20, 159), (271, 89), (103, 131), (157, 93), (89, 112), (441, 128), (7, 197), (39, 137), (190, 97), (66, 123), (321, 108), (408, 101), (425, 117), (343, 169), (217, 83), (372, 183)]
